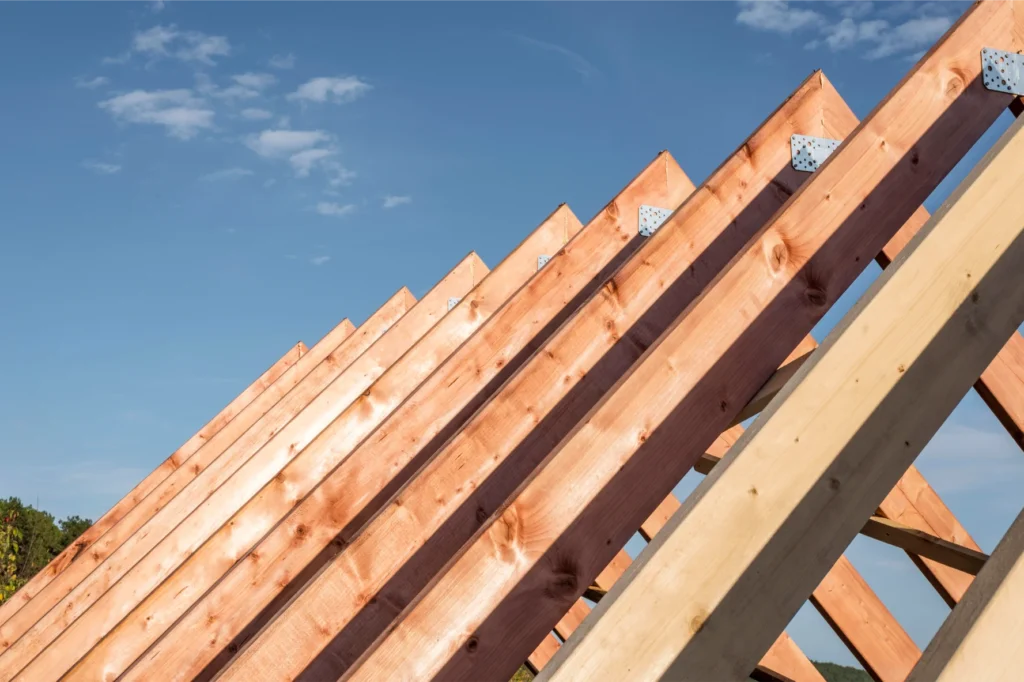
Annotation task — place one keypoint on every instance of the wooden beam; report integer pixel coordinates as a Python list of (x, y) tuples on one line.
[(207, 468), (400, 550), (148, 484), (542, 548), (99, 603), (543, 653), (922, 544), (734, 566), (365, 481), (241, 536), (981, 639)]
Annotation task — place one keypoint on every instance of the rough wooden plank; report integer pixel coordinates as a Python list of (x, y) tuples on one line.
[(786, 658), (314, 532), (98, 602), (542, 548), (543, 653), (981, 639), (923, 544), (356, 490), (866, 626), (401, 549), (738, 560), (148, 484), (137, 531)]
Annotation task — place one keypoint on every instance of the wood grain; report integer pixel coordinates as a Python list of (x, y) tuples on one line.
[(738, 560), (511, 435), (541, 549)]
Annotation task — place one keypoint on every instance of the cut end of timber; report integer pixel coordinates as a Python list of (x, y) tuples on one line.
[(570, 223), (407, 297), (301, 348), (477, 266)]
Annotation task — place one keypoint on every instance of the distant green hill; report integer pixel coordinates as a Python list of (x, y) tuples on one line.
[(832, 672)]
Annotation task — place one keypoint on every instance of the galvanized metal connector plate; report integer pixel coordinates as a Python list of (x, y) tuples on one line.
[(453, 301), (810, 152), (542, 261), (651, 218), (1002, 71)]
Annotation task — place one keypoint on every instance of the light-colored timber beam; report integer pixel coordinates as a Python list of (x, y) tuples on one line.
[(739, 559)]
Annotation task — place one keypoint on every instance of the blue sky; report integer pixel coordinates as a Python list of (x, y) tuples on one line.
[(188, 189)]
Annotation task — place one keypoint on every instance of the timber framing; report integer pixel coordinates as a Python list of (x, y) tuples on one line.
[(158, 475), (446, 491)]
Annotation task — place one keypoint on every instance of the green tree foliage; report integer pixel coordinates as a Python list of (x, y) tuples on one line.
[(29, 540), (10, 537)]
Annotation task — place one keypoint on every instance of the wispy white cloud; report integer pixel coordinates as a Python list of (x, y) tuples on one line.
[(154, 41), (339, 90), (304, 161), (101, 168), (256, 114), (577, 62), (187, 46), (329, 208), (179, 111), (305, 151), (91, 83), (243, 86), (122, 58), (157, 6), (226, 174), (282, 61), (391, 201), (910, 35), (859, 25), (270, 182), (319, 260), (285, 143), (777, 16)]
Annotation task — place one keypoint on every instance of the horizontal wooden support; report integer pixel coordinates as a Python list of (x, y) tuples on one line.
[(909, 539), (771, 388), (922, 544)]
